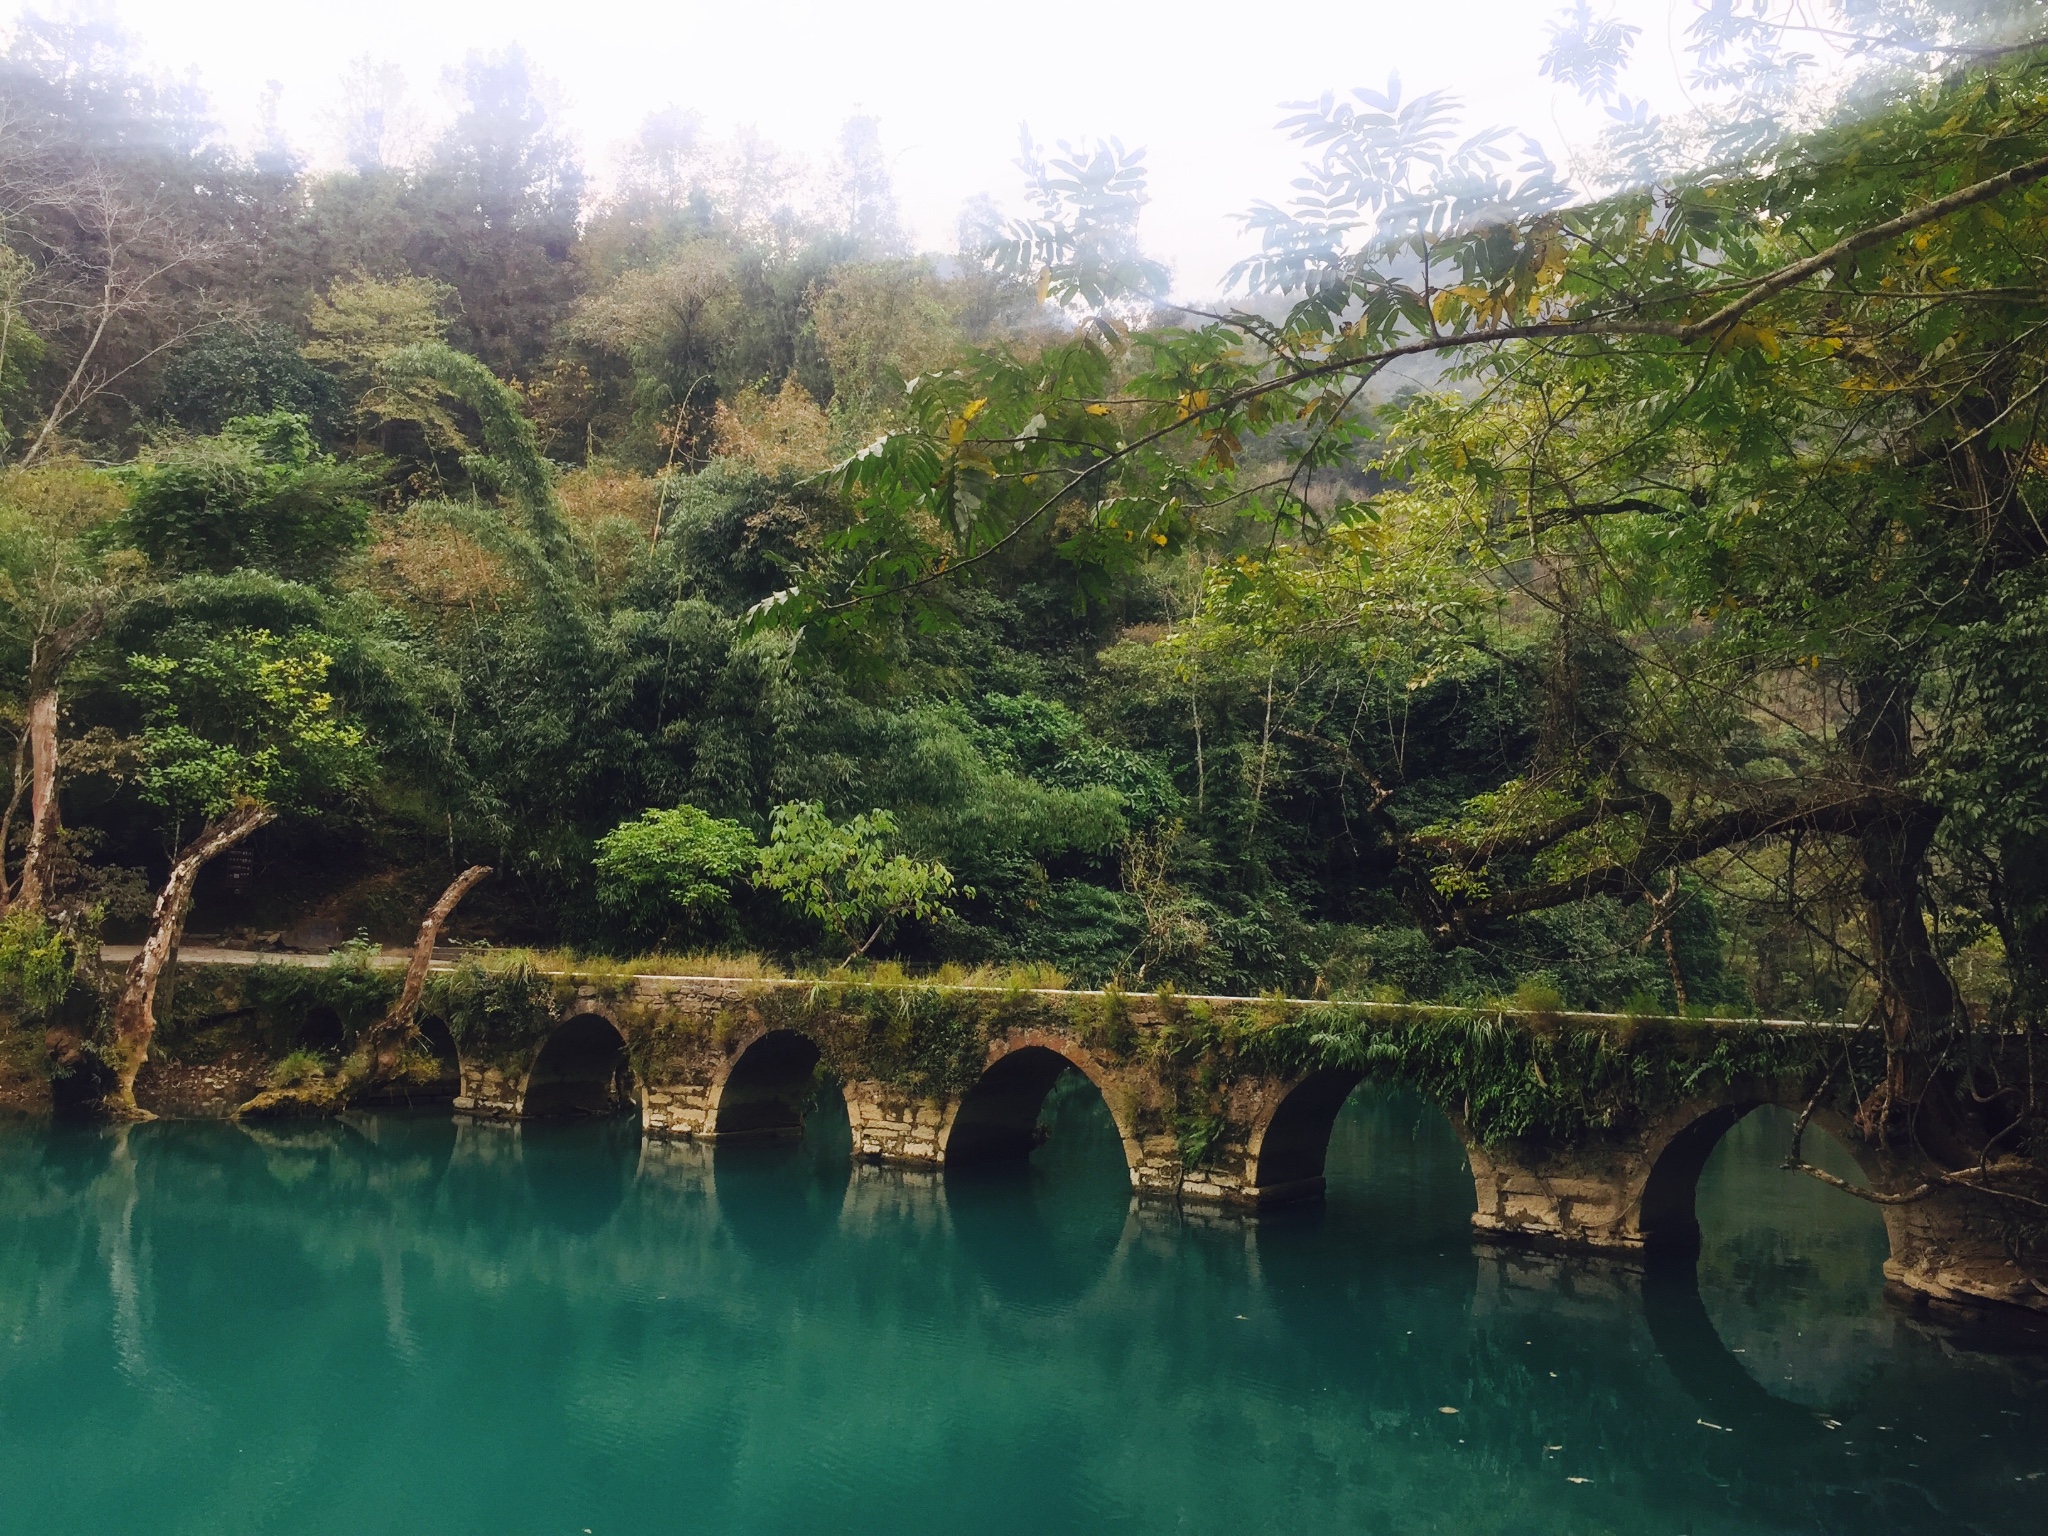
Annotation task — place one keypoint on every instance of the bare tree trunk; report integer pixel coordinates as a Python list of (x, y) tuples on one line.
[(1667, 915), (43, 826), (52, 654), (58, 409), (136, 243), (134, 1021), (398, 1026), (1671, 964), (20, 787)]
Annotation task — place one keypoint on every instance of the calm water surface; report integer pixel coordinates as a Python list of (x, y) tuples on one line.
[(409, 1325)]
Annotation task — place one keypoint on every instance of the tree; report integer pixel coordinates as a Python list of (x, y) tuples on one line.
[(374, 119), (110, 195), (57, 587), (673, 324), (21, 349), (513, 451), (671, 867), (881, 324), (357, 325), (111, 281), (236, 729), (258, 495), (1081, 246), (246, 371), (842, 875), (1737, 454), (865, 190), (399, 1028), (500, 196)]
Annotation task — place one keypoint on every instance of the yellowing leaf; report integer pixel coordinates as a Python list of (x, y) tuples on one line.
[(1743, 334)]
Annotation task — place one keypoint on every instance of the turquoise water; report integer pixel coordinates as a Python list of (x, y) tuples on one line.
[(411, 1325)]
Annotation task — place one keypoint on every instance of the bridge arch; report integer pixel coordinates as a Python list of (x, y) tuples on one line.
[(997, 1119), (1667, 1214), (442, 1084), (1288, 1148), (320, 1029), (765, 1091), (581, 1069), (439, 1041), (1287, 1153)]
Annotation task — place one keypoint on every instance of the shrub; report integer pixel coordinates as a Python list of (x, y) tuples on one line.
[(843, 876), (35, 963), (671, 865), (297, 1068)]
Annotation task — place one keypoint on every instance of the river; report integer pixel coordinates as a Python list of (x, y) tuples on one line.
[(403, 1323)]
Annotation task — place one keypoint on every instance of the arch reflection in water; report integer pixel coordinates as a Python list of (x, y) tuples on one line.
[(580, 1069), (1392, 1234), (403, 1150), (1702, 1363), (780, 1194), (1790, 1271), (218, 1333), (1041, 1228), (577, 1173)]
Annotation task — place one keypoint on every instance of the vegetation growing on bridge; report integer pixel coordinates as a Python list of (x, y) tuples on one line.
[(1537, 1078), (1505, 1077)]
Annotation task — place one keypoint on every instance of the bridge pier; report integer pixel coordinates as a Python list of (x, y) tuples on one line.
[(997, 1117), (1632, 1195), (893, 1126), (490, 1090)]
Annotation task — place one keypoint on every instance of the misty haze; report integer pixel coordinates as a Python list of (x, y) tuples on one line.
[(1135, 768)]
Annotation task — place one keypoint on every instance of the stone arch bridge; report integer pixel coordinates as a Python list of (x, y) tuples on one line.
[(947, 1076)]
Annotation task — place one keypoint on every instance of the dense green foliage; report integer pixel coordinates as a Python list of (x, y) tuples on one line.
[(491, 1007), (240, 716), (1624, 655), (257, 495)]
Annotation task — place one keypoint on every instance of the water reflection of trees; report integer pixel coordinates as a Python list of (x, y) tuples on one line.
[(1256, 1374)]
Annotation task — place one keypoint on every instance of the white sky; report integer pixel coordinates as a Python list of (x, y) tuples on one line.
[(1197, 82)]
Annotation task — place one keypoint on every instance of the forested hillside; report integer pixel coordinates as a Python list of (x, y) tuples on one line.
[(458, 512)]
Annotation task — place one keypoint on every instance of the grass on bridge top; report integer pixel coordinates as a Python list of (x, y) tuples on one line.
[(1532, 1002)]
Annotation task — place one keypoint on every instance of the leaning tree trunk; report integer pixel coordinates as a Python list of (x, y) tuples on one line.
[(134, 1021), (397, 1029)]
